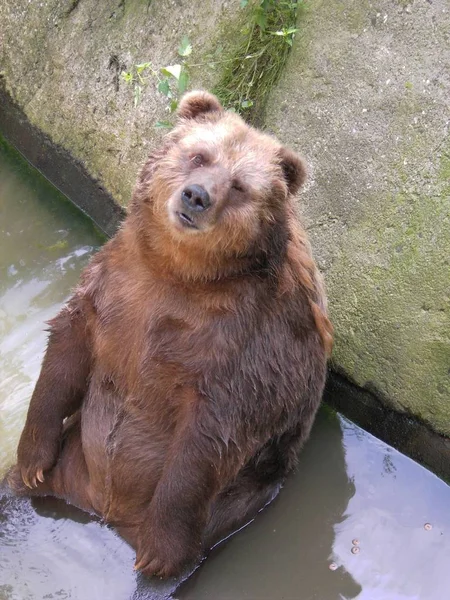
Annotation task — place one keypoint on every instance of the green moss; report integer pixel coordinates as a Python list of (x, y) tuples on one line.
[(405, 296), (355, 16), (444, 167), (392, 309), (59, 245), (386, 260)]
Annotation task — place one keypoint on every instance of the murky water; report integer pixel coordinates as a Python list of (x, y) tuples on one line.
[(357, 520)]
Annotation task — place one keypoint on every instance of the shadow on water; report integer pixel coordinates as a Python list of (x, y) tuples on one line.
[(348, 486)]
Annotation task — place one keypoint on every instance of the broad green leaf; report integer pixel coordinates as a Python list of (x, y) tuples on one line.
[(185, 48), (260, 19), (163, 87), (173, 105), (246, 103), (244, 3), (183, 81), (172, 71)]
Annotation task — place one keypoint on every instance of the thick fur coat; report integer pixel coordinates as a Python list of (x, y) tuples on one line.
[(184, 374)]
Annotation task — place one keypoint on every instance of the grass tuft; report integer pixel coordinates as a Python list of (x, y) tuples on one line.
[(256, 64)]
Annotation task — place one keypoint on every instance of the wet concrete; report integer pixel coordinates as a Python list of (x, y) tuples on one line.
[(357, 520)]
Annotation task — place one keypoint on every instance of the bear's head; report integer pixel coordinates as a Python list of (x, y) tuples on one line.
[(217, 196)]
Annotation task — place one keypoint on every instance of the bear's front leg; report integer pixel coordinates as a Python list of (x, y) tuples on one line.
[(167, 544), (58, 393), (171, 534)]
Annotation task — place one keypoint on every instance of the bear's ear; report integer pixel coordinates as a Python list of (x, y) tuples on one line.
[(196, 104), (294, 169)]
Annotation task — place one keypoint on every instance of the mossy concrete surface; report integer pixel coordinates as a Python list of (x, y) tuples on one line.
[(61, 60), (366, 99)]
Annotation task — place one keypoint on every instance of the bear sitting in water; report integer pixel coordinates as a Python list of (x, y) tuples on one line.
[(184, 374)]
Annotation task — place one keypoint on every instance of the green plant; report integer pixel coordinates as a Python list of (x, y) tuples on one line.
[(248, 75), (137, 78), (257, 63), (173, 80)]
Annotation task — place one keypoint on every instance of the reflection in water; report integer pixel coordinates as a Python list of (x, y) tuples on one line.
[(377, 496), (44, 557), (44, 243), (348, 485), (399, 559)]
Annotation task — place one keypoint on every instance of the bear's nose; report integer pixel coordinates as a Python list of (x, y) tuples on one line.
[(196, 198)]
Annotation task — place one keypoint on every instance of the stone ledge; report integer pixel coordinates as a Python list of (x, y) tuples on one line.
[(402, 431), (58, 166)]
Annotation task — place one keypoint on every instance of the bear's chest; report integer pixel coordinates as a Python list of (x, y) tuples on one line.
[(166, 338)]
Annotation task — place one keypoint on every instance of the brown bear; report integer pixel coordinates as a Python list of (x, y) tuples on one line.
[(184, 373)]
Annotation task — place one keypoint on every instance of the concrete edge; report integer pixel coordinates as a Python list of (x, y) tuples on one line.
[(66, 173), (403, 432)]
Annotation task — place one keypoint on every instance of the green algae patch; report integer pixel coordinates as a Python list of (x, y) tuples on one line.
[(392, 315)]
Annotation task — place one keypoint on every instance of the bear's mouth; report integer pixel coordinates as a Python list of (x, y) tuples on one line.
[(186, 220)]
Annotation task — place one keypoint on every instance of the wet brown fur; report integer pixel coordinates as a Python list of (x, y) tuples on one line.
[(188, 365)]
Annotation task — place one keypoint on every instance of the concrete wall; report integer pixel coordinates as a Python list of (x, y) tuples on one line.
[(366, 98)]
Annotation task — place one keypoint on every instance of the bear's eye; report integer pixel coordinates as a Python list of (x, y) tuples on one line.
[(237, 187), (198, 160)]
